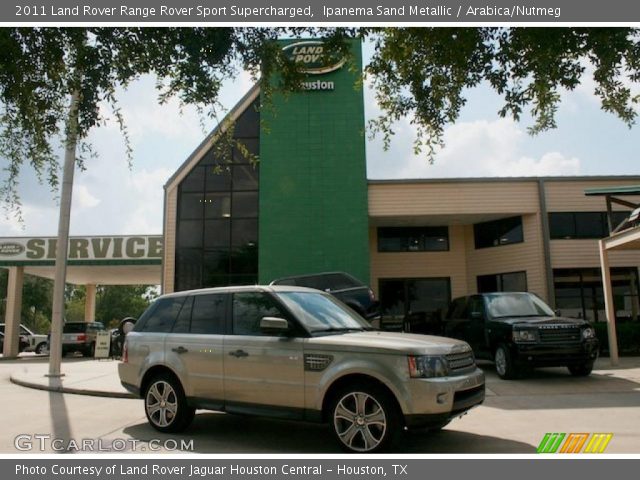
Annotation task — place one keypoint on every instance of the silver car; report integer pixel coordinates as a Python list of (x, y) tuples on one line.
[(294, 353)]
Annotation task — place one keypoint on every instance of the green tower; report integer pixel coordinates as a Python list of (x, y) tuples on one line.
[(313, 186)]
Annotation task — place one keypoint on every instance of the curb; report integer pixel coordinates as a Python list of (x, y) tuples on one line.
[(75, 391)]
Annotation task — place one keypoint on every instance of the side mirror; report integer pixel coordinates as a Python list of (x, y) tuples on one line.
[(274, 325), (476, 315)]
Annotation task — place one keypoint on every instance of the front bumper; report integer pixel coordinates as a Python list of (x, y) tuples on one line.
[(540, 355), (436, 400)]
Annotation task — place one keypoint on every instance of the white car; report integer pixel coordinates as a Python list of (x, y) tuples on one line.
[(36, 343)]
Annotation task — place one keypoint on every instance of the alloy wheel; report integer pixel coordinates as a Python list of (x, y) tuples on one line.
[(161, 403), (360, 421)]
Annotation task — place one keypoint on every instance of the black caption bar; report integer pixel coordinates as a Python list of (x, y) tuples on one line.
[(319, 11), (342, 468)]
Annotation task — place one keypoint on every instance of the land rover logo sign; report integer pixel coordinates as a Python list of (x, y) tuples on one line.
[(312, 57), (9, 249)]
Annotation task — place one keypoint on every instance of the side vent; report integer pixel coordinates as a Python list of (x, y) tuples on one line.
[(316, 363)]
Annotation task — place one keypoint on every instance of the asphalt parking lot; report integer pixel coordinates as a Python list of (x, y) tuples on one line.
[(513, 419)]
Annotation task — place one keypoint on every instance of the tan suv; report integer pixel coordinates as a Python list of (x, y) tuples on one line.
[(293, 353)]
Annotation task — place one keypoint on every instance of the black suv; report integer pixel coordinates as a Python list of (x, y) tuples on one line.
[(517, 329), (341, 285), (80, 337)]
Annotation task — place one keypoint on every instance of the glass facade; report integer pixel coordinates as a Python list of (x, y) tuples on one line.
[(498, 232), (217, 228), (579, 293), (582, 225), (402, 297), (413, 239), (503, 282)]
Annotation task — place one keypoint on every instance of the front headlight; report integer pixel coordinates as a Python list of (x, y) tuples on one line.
[(525, 336), (428, 366), (588, 333)]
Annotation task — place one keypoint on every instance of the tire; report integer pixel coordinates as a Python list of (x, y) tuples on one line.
[(505, 366), (365, 419), (583, 370), (165, 404), (41, 348)]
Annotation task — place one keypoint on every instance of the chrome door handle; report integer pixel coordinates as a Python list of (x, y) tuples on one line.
[(179, 349), (239, 354)]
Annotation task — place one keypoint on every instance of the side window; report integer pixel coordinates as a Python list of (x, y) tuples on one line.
[(165, 313), (249, 308), (476, 305), (209, 312), (183, 322)]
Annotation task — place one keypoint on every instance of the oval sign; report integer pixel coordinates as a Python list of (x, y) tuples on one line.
[(10, 249), (312, 58)]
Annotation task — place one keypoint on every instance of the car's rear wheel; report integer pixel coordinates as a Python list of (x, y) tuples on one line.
[(166, 406), (505, 366), (583, 370), (365, 419)]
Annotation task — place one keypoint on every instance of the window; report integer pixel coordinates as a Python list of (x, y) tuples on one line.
[(249, 309), (503, 282), (579, 293), (217, 225), (209, 313), (413, 239), (183, 322), (498, 232), (401, 297), (582, 225), (164, 314)]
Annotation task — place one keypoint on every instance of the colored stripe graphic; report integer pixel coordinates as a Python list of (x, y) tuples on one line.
[(550, 443), (574, 443), (598, 442)]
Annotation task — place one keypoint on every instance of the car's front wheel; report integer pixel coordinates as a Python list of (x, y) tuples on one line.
[(583, 370), (365, 419), (41, 348), (166, 406), (505, 366)]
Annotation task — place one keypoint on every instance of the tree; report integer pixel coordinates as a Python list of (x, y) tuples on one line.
[(47, 71), (52, 81), (422, 73)]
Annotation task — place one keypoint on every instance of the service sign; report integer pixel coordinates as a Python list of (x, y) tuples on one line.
[(43, 249), (312, 58)]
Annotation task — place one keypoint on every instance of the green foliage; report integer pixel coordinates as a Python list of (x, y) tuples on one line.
[(628, 334), (36, 301), (422, 73), (418, 73)]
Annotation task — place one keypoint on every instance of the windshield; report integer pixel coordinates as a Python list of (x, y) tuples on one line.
[(517, 305), (322, 313)]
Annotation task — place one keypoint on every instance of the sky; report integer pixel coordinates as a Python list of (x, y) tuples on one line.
[(109, 198)]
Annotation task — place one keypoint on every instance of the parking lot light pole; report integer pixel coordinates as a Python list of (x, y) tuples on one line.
[(57, 317)]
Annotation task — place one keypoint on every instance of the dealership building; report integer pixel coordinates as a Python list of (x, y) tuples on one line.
[(307, 206)]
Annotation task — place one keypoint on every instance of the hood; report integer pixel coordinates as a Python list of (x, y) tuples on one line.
[(540, 321), (390, 342)]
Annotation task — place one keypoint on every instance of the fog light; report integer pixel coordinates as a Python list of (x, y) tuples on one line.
[(441, 398)]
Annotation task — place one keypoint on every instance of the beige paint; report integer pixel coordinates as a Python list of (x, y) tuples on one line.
[(586, 254), (568, 196), (421, 264), (13, 311), (526, 256), (449, 198)]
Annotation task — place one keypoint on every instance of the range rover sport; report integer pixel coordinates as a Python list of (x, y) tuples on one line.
[(293, 353)]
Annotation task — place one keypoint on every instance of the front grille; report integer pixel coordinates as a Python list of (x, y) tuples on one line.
[(459, 362), (316, 363), (559, 334)]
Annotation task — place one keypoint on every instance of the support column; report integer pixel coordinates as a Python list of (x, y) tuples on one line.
[(13, 312), (608, 304), (90, 303)]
